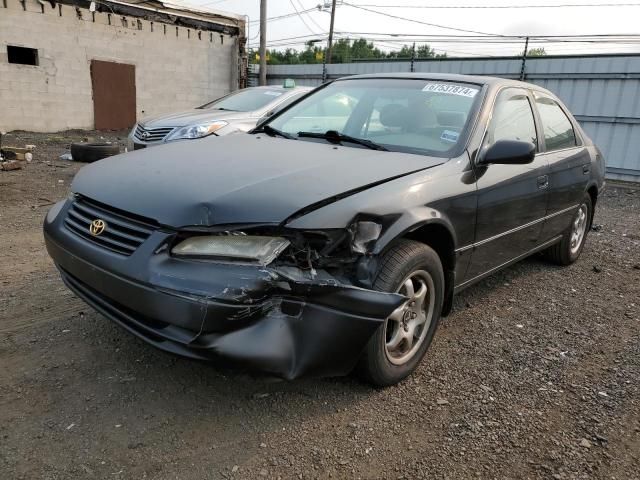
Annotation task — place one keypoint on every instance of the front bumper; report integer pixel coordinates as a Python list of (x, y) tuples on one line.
[(277, 320)]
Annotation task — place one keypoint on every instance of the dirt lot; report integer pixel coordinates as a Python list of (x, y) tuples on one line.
[(536, 374)]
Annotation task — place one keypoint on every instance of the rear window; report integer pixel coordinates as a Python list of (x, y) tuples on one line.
[(415, 116), (246, 100), (558, 131)]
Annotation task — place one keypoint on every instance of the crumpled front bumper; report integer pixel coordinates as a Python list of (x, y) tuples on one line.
[(277, 320)]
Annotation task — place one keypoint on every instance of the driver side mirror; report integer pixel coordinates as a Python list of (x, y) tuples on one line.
[(509, 152)]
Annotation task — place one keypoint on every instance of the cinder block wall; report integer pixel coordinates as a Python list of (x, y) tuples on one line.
[(174, 71)]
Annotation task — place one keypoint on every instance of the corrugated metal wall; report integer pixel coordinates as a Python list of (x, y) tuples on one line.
[(603, 92)]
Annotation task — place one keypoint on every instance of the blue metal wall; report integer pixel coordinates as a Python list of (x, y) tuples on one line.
[(603, 92)]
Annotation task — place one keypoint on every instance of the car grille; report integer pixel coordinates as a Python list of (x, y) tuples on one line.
[(151, 134), (122, 233)]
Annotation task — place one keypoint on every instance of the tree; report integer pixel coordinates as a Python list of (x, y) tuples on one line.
[(344, 51), (535, 52)]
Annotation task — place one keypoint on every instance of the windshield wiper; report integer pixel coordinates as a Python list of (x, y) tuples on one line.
[(337, 137), (273, 132)]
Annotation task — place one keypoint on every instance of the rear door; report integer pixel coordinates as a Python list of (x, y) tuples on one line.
[(569, 164), (512, 199)]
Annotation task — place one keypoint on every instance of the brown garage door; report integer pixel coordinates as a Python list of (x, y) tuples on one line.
[(114, 95)]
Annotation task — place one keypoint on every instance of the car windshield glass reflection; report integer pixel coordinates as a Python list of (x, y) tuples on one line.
[(415, 116), (246, 100)]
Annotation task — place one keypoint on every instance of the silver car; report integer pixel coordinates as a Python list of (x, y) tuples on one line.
[(238, 111)]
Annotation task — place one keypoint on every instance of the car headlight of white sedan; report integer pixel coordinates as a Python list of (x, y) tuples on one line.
[(196, 131)]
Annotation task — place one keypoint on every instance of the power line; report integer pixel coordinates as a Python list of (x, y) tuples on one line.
[(420, 21), (301, 17), (588, 42), (480, 7), (297, 40), (594, 36), (310, 17), (287, 15), (408, 38)]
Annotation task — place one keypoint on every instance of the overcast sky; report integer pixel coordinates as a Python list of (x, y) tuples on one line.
[(350, 21)]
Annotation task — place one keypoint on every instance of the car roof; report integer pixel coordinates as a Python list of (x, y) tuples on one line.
[(450, 77)]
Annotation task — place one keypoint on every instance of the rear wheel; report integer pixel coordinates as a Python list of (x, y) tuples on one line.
[(395, 350), (569, 248)]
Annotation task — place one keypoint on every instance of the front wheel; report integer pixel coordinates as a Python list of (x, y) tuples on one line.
[(569, 248), (395, 350)]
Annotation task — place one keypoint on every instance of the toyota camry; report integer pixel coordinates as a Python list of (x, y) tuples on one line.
[(334, 236)]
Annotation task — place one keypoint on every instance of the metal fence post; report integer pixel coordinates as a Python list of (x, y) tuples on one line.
[(413, 58), (524, 59)]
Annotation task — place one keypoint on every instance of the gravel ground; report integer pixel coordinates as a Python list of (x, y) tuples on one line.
[(534, 375)]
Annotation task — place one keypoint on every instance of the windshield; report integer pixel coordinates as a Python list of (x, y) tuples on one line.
[(246, 100), (416, 116)]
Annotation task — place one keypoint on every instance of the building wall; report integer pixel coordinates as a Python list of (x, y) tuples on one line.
[(175, 69), (602, 91)]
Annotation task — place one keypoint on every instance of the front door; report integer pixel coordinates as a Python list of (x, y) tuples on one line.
[(114, 95), (512, 199)]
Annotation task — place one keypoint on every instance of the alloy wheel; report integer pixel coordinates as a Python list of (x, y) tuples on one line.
[(407, 327), (578, 229)]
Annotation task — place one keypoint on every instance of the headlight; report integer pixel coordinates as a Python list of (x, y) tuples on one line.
[(197, 131), (254, 249)]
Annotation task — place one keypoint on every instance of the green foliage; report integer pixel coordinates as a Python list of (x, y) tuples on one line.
[(422, 51), (343, 51), (535, 52)]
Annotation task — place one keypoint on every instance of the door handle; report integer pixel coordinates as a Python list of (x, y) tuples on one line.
[(543, 181), (586, 168)]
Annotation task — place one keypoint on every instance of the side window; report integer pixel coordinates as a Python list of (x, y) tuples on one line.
[(512, 118), (558, 131)]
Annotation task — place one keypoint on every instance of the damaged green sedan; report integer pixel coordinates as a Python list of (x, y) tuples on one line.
[(334, 235)]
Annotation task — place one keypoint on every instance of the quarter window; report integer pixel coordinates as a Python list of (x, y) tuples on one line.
[(512, 118), (558, 131)]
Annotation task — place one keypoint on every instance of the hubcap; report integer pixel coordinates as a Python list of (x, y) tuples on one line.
[(407, 327), (578, 229)]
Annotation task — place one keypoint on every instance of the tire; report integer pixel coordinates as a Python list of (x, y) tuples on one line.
[(90, 152), (384, 365), (565, 252)]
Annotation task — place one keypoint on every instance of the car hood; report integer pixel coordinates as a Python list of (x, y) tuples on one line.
[(238, 178), (190, 117)]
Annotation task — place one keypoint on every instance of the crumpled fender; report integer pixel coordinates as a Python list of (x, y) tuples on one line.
[(320, 328)]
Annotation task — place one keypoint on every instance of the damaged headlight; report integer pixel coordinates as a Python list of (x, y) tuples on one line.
[(197, 131), (248, 248)]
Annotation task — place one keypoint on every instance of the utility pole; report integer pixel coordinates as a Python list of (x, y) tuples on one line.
[(263, 42), (333, 16), (327, 57)]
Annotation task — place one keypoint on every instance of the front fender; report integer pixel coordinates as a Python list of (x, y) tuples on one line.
[(411, 220)]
